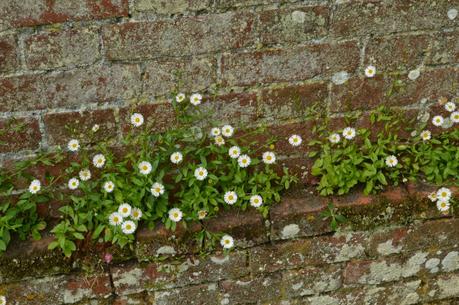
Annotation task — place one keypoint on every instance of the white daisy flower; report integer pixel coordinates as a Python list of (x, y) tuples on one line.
[(175, 214), (84, 174), (215, 132), (128, 227), (219, 141), (443, 205), (115, 219), (200, 173), (370, 71), (444, 193), (334, 138), (73, 145), (95, 128), (349, 133), (295, 140), (125, 209), (230, 197), (73, 183), (455, 117), (109, 186), (269, 157), (196, 99), (137, 119), (180, 97), (136, 213), (157, 189), (256, 201), (244, 160), (227, 242), (35, 186), (234, 152), (202, 214), (227, 131), (432, 196), (391, 161), (145, 167), (438, 120), (426, 135), (98, 160), (176, 157), (450, 106), (2, 300)]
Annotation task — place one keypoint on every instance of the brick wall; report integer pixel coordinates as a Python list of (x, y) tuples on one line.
[(83, 62)]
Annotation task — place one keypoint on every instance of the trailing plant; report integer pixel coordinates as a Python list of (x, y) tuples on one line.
[(184, 174)]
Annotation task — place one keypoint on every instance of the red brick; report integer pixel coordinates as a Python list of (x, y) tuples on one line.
[(292, 25), (293, 64), (445, 48), (183, 36), (364, 93), (63, 126), (363, 17), (291, 102), (8, 53), (19, 134), (58, 290), (397, 53), (62, 48), (187, 75), (246, 227), (157, 117), (168, 7), (69, 88), (20, 13), (298, 214), (238, 109)]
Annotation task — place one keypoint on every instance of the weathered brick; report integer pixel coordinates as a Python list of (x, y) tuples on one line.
[(186, 75), (184, 36), (445, 48), (362, 17), (19, 134), (247, 291), (316, 251), (292, 25), (163, 242), (69, 88), (246, 227), (20, 13), (62, 126), (397, 53), (394, 268), (445, 286), (8, 53), (238, 109), (58, 290), (294, 64), (157, 117), (65, 48), (168, 7), (298, 215), (312, 280), (193, 295), (364, 93), (292, 101), (137, 278)]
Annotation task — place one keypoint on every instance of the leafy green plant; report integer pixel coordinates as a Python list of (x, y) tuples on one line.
[(332, 214), (184, 174)]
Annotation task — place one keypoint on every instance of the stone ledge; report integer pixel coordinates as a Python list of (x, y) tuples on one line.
[(296, 216)]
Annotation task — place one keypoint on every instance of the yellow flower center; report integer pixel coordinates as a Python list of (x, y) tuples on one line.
[(201, 173), (230, 197), (443, 204), (244, 161), (35, 187), (443, 194), (176, 215), (128, 227), (115, 219), (157, 190), (145, 167), (227, 241), (125, 210), (176, 157), (268, 158), (256, 200), (137, 120)]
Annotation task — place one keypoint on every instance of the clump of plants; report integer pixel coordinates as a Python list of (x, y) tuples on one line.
[(185, 174), (377, 156)]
